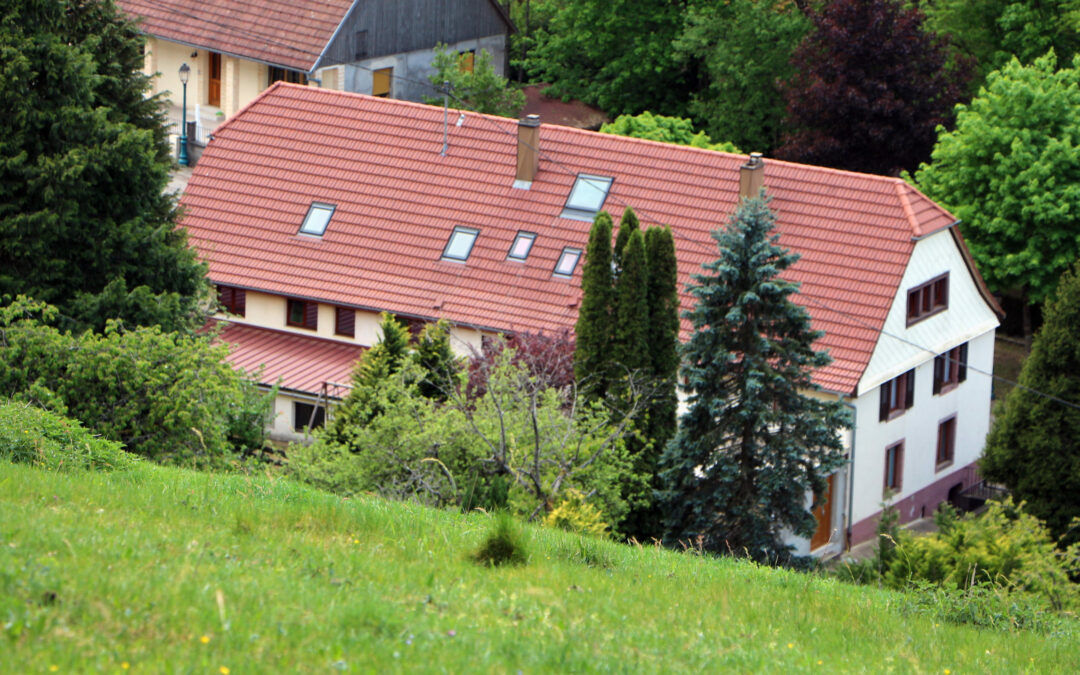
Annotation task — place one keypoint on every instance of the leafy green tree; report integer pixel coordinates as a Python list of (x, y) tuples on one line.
[(1034, 445), (664, 129), (172, 398), (993, 31), (480, 89), (84, 221), (742, 50), (753, 444), (615, 54), (1010, 171), (870, 88), (593, 331)]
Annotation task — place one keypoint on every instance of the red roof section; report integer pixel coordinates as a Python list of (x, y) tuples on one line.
[(288, 33), (398, 200), (289, 360)]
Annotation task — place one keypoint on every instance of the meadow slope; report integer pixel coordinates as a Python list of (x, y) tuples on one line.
[(166, 570)]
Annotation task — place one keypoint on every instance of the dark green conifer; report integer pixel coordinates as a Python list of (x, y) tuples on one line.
[(437, 359), (593, 332), (630, 349), (663, 337), (628, 225), (752, 445)]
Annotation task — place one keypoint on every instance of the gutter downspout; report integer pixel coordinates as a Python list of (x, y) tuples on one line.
[(851, 473)]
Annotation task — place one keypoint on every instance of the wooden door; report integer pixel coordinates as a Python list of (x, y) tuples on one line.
[(823, 515), (214, 96)]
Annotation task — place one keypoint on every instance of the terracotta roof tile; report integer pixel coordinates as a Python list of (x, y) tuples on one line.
[(289, 360), (398, 201), (288, 33)]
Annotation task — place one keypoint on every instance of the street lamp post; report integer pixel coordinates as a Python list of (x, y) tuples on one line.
[(182, 159)]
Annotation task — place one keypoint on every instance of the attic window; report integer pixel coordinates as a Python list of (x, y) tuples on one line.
[(522, 245), (317, 218), (586, 197), (567, 262), (460, 244)]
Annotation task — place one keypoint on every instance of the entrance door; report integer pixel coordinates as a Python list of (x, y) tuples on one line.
[(823, 515), (214, 97)]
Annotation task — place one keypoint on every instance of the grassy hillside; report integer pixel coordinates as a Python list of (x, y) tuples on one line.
[(162, 570)]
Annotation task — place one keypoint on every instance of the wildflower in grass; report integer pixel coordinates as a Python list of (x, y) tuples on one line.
[(791, 645), (224, 670), (53, 668), (204, 639), (451, 632), (125, 665)]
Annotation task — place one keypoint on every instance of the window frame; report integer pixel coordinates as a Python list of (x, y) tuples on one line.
[(278, 74), (460, 230), (897, 396), (321, 206), (950, 369), (310, 313), (558, 263), (895, 452), (930, 298), (315, 418), (946, 452), (579, 213), (522, 234), (233, 300)]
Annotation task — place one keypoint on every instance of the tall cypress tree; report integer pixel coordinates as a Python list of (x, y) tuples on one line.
[(593, 332), (628, 225), (630, 345), (752, 446), (663, 337)]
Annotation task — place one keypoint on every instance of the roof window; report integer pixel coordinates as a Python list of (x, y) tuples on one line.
[(586, 197), (460, 245), (523, 242), (567, 262), (317, 218)]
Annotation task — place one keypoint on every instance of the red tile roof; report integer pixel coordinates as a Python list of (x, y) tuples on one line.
[(287, 33), (556, 111), (291, 361), (398, 200)]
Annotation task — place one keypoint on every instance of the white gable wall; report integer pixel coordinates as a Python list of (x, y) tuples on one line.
[(900, 348)]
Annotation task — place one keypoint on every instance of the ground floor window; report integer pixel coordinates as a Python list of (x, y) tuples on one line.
[(306, 415)]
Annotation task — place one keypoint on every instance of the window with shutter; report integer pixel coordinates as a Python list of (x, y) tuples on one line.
[(345, 321), (232, 300), (897, 395), (302, 314), (950, 369), (894, 467)]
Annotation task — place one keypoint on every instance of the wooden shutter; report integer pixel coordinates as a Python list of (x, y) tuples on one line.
[(380, 82), (345, 321), (311, 315), (909, 399), (963, 363), (239, 301), (884, 408), (939, 373), (225, 296)]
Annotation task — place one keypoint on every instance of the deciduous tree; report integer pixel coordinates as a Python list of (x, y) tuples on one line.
[(753, 445), (870, 88), (479, 88), (664, 129)]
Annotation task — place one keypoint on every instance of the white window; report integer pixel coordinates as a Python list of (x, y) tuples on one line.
[(317, 218), (567, 261), (522, 245), (460, 244), (586, 197)]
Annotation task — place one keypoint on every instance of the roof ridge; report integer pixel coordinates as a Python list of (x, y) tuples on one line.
[(901, 193)]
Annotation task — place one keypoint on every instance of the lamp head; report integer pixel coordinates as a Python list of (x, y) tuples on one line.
[(185, 72)]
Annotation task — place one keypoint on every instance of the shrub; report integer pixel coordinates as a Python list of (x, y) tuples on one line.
[(574, 514), (504, 544), (987, 606), (166, 396), (31, 435)]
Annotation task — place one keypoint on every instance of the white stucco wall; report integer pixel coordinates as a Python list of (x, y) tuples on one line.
[(411, 69)]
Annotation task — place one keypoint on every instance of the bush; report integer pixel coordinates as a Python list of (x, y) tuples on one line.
[(30, 435), (990, 607), (504, 545), (574, 514), (166, 396)]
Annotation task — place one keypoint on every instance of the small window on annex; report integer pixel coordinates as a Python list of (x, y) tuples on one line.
[(567, 262), (380, 82), (460, 245), (587, 197), (523, 242), (307, 416), (317, 218), (302, 314)]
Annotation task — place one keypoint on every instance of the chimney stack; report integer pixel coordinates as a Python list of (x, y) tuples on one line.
[(528, 151), (752, 176)]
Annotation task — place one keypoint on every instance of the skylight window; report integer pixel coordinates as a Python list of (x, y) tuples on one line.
[(522, 245), (567, 262), (460, 245), (586, 197), (317, 218)]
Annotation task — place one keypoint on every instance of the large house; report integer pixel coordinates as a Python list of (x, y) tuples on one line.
[(237, 48), (315, 210)]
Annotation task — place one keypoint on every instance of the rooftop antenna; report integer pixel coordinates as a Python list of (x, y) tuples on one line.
[(445, 118)]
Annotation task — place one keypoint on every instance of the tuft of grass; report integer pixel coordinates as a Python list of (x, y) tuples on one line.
[(504, 544), (44, 439), (587, 551)]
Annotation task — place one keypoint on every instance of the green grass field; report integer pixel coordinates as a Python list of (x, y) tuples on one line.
[(165, 570)]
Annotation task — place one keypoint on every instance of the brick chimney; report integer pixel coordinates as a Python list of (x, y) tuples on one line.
[(528, 151), (751, 176)]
